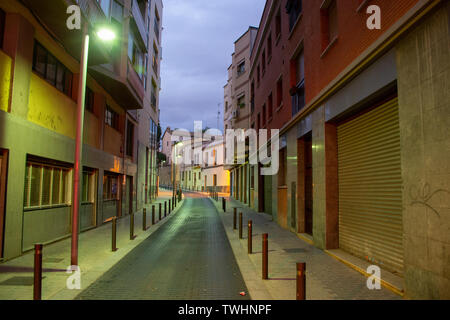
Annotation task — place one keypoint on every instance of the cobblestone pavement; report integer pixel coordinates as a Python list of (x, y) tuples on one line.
[(326, 278), (188, 258)]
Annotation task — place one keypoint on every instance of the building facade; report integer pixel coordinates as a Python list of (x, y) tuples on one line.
[(238, 107), (39, 72), (363, 136)]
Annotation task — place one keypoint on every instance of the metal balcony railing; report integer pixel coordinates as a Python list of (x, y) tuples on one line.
[(92, 11)]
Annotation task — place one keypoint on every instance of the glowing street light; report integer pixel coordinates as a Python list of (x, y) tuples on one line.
[(104, 34)]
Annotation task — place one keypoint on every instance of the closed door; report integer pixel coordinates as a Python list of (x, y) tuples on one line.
[(308, 186), (370, 187)]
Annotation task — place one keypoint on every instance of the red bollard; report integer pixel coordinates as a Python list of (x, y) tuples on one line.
[(144, 218), (301, 281), (114, 235), (37, 287), (265, 256), (250, 244), (240, 225)]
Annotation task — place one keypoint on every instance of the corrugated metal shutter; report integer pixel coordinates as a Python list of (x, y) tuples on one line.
[(370, 183)]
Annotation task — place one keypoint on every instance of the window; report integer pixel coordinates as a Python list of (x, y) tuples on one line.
[(111, 118), (157, 20), (259, 121), (215, 180), (88, 193), (46, 186), (199, 175), (269, 46), (241, 102), (105, 5), (110, 187), (279, 92), (278, 25), (155, 59), (298, 91), (252, 95), (258, 75), (136, 55), (117, 11), (130, 139), (329, 23), (2, 26), (153, 94), (263, 62), (270, 105), (293, 9), (89, 100), (53, 71), (264, 115), (241, 68)]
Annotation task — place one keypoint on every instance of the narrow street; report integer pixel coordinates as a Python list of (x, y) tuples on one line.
[(189, 258)]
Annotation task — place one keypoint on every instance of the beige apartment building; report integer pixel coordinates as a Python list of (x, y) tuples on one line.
[(238, 107)]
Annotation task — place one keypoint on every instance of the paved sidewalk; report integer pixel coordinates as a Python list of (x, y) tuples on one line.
[(95, 257), (326, 278)]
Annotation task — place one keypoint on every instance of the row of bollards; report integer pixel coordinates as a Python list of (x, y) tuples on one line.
[(301, 266), (38, 248)]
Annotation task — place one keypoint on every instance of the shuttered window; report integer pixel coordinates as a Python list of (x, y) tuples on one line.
[(370, 187)]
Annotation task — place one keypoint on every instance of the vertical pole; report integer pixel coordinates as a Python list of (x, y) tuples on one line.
[(114, 234), (301, 281), (78, 167), (37, 287), (132, 236), (234, 218), (160, 208), (144, 218), (250, 235), (165, 209), (224, 206), (153, 214), (265, 257), (240, 225)]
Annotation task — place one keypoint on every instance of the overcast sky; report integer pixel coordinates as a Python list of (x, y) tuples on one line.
[(197, 43)]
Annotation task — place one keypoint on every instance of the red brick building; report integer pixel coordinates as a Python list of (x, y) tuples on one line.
[(360, 111)]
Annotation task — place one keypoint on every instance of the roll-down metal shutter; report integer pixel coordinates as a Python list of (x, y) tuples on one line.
[(370, 183)]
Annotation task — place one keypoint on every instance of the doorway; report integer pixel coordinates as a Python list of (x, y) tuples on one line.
[(308, 185)]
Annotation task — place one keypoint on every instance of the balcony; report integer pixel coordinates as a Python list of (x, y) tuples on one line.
[(48, 11), (139, 23), (127, 90)]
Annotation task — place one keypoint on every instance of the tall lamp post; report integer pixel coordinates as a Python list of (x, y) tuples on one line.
[(174, 166), (103, 34)]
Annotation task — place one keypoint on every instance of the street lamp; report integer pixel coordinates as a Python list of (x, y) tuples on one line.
[(105, 34), (174, 165)]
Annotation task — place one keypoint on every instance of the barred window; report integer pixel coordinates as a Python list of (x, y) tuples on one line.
[(46, 186)]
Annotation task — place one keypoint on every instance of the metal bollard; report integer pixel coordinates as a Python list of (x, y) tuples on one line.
[(144, 219), (250, 235), (224, 205), (153, 214), (37, 286), (160, 207), (301, 281), (265, 256), (132, 236), (234, 218), (165, 209), (114, 234), (240, 225)]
